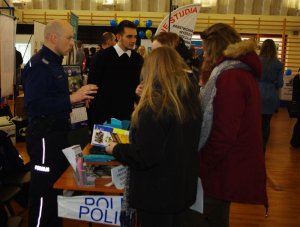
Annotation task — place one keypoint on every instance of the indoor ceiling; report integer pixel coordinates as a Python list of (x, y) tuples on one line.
[(248, 7)]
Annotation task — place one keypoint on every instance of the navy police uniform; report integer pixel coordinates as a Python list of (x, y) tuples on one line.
[(48, 106)]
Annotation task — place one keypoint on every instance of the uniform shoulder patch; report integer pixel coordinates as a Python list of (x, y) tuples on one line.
[(45, 61)]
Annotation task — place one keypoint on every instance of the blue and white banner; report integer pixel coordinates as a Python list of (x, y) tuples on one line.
[(98, 209), (182, 22)]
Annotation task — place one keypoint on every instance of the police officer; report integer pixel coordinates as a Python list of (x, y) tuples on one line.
[(48, 105)]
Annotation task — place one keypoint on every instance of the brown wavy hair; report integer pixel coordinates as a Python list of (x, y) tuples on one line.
[(216, 39)]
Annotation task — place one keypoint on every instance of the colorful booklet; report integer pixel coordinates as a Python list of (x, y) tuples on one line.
[(103, 135)]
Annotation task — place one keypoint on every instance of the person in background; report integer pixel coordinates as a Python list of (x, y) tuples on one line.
[(195, 62), (142, 51), (162, 155), (86, 61), (295, 140), (116, 70), (107, 39), (269, 84), (98, 48), (48, 105), (79, 54), (231, 158), (19, 62), (92, 55), (172, 40)]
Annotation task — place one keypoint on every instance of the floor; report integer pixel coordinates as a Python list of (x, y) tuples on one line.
[(283, 168)]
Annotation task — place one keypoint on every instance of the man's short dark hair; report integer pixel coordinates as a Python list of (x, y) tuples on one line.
[(125, 24)]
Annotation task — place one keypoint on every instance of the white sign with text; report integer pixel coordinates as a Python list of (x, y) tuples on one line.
[(182, 22), (98, 209), (119, 175)]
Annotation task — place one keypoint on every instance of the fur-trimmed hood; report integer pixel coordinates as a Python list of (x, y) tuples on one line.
[(245, 52)]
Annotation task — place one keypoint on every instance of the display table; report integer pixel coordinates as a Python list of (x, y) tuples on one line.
[(67, 180), (102, 209)]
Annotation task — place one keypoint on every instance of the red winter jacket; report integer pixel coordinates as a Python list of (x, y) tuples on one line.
[(232, 164)]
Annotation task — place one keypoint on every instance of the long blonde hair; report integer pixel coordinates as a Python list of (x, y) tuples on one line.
[(167, 87)]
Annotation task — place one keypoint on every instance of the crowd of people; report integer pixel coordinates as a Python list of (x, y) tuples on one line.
[(192, 122)]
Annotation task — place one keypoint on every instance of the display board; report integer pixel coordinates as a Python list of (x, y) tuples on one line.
[(7, 54)]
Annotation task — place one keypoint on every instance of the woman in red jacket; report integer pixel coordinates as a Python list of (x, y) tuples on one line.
[(232, 165)]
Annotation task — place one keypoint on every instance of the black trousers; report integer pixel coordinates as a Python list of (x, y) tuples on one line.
[(45, 141), (295, 140), (216, 214), (266, 121)]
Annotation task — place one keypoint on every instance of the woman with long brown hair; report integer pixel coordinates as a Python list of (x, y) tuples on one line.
[(232, 166)]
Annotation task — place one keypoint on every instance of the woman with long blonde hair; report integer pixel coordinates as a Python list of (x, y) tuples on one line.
[(162, 155)]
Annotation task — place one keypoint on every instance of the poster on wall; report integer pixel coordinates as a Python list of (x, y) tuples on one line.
[(78, 116), (182, 22), (287, 90), (38, 36), (7, 56)]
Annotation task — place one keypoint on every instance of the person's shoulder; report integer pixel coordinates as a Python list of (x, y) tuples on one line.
[(137, 57), (107, 53), (136, 54)]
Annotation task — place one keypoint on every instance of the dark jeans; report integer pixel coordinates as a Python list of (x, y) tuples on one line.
[(216, 214), (266, 120)]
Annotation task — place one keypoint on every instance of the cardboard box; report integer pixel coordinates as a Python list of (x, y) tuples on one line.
[(9, 127)]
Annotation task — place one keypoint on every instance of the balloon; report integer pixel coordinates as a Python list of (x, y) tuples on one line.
[(136, 22), (141, 34), (142, 24), (148, 34), (119, 20), (288, 72), (113, 23), (148, 23)]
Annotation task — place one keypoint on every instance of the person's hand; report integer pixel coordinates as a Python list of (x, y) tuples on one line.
[(139, 89), (86, 92), (109, 148)]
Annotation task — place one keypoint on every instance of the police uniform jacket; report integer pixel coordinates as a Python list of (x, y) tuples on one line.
[(46, 87)]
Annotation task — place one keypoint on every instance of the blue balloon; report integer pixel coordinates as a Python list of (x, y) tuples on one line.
[(141, 34), (148, 23), (113, 23), (136, 22), (288, 72)]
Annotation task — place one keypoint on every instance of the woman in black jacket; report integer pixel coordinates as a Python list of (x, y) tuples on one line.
[(162, 155)]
